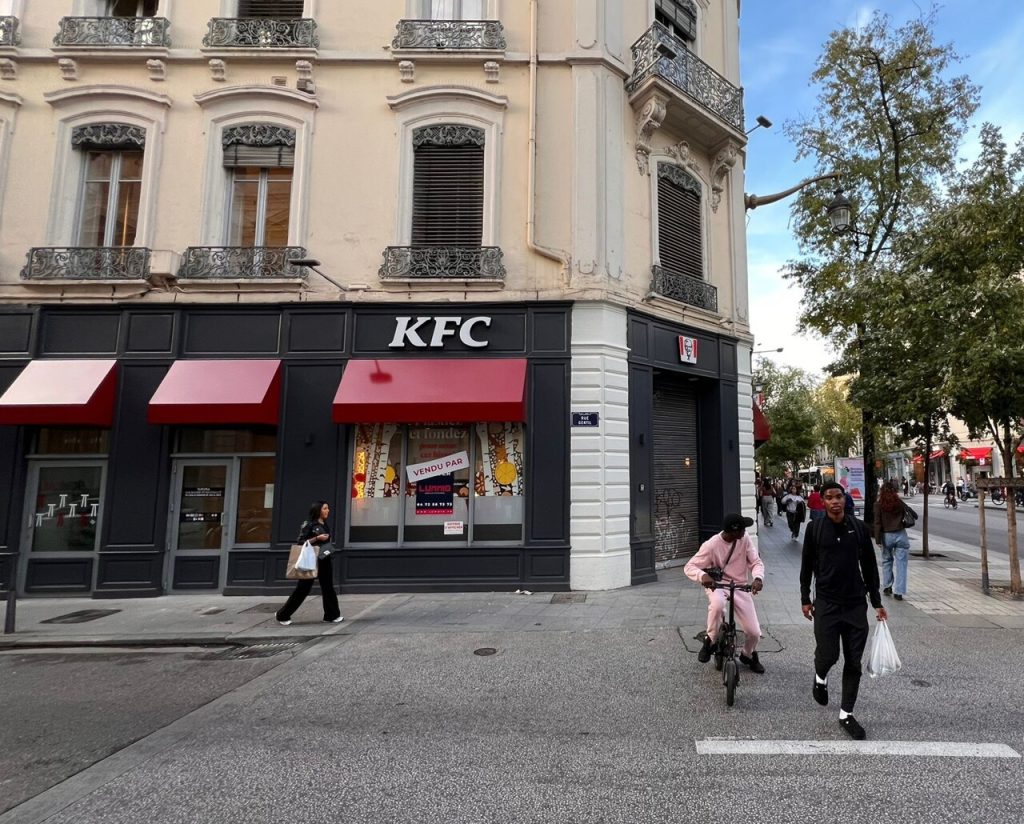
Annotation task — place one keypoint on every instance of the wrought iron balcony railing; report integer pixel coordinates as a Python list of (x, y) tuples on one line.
[(449, 34), (9, 34), (659, 53), (684, 288), (107, 32), (87, 263), (240, 262), (443, 262), (261, 33)]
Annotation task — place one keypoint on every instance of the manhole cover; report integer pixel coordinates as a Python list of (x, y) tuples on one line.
[(262, 608), (81, 616), (485, 651), (569, 598), (255, 651)]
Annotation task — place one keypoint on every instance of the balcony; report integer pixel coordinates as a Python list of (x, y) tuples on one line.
[(691, 95), (113, 32), (241, 262), (442, 263), (449, 35), (9, 34), (261, 33), (87, 263), (684, 288)]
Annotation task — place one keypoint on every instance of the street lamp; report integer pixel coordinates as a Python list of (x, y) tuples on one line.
[(751, 202), (762, 351), (762, 123), (313, 263), (838, 211)]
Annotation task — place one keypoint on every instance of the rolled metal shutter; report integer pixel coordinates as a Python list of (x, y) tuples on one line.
[(676, 501)]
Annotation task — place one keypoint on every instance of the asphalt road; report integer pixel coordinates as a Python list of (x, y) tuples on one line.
[(585, 726), (961, 524)]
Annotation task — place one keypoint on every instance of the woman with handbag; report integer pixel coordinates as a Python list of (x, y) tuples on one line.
[(315, 530), (891, 518)]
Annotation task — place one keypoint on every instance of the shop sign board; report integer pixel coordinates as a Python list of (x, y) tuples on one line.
[(429, 332), (687, 349), (436, 496)]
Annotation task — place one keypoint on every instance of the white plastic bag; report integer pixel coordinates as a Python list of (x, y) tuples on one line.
[(883, 660), (307, 558)]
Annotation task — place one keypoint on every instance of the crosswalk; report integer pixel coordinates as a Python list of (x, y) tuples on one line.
[(919, 749)]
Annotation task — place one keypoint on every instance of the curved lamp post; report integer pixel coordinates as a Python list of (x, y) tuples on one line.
[(751, 202)]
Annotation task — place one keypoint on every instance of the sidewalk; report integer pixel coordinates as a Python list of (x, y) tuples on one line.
[(943, 590)]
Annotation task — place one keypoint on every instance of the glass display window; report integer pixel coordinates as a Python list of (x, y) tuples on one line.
[(52, 440)]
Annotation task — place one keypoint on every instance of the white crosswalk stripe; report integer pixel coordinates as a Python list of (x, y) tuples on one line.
[(922, 749)]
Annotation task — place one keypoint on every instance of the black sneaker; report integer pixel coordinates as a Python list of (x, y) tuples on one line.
[(855, 730), (897, 596), (820, 693), (752, 662), (887, 590), (705, 650)]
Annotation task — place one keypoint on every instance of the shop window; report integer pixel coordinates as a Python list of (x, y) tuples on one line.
[(67, 506), (460, 483), (680, 235), (226, 441), (255, 499), (679, 17), (64, 441)]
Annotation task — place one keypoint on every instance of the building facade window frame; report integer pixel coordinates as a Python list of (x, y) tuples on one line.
[(96, 105), (236, 8), (115, 141), (450, 105), (422, 10), (696, 181), (265, 139)]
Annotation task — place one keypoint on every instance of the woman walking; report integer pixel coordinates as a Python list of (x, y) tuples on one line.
[(766, 495), (891, 536), (795, 510), (315, 530)]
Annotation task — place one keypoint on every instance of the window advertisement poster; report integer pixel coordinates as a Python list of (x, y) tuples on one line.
[(436, 495), (850, 474)]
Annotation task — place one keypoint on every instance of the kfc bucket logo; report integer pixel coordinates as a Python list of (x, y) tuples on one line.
[(687, 349)]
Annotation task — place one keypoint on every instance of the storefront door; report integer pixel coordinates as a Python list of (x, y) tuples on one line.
[(63, 508), (201, 519)]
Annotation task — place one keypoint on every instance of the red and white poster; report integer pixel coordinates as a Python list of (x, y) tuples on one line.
[(687, 349)]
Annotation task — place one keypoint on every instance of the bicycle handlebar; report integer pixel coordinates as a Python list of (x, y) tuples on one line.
[(731, 586)]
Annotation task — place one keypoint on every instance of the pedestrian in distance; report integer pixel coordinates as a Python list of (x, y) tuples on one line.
[(767, 498), (730, 556), (796, 508), (316, 530), (840, 560), (815, 505), (891, 537)]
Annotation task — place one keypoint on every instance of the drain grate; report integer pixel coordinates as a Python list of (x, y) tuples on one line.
[(81, 617), (255, 651), (569, 598)]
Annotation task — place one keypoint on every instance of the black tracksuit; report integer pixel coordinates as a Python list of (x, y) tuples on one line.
[(324, 574), (842, 562)]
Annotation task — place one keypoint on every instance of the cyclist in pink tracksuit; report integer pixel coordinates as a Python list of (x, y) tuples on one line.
[(732, 552)]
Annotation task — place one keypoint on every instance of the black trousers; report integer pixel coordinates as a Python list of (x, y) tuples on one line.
[(325, 575), (841, 622), (793, 519)]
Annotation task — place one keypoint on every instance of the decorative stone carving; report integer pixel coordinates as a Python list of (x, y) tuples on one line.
[(647, 123), (407, 71), (448, 134), (68, 68), (108, 136), (723, 164), (157, 70), (218, 70), (8, 69), (258, 134), (492, 71), (680, 178), (305, 83), (441, 35)]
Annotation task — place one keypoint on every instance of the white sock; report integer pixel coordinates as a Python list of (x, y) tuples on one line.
[(843, 715), (819, 680)]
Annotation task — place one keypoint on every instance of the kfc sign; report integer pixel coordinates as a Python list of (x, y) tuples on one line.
[(687, 349), (430, 332)]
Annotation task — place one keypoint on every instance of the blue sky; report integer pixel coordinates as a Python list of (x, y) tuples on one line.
[(780, 41)]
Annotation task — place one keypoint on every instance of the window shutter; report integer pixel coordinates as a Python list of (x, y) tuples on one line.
[(259, 144), (448, 187), (282, 9), (680, 244)]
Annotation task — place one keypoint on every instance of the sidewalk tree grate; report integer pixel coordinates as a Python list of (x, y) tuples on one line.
[(80, 617), (255, 651), (569, 598)]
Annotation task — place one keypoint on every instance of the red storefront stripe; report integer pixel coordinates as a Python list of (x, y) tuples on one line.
[(212, 392), (976, 453), (432, 390), (62, 393)]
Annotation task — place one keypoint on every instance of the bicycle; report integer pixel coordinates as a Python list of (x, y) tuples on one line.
[(725, 650), (949, 500)]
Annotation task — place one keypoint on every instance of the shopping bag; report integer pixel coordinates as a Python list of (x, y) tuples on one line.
[(293, 571), (883, 660), (307, 558)]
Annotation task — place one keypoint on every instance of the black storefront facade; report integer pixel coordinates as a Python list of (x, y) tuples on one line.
[(203, 489)]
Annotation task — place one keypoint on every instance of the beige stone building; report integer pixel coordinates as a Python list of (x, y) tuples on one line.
[(255, 253)]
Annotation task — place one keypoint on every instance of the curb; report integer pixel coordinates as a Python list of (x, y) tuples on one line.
[(65, 642)]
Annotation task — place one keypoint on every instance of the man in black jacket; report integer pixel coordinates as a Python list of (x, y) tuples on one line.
[(839, 556)]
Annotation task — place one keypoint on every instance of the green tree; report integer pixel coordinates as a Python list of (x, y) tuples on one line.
[(788, 406), (972, 247), (889, 121), (837, 421)]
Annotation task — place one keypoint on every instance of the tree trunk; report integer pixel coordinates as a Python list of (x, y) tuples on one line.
[(927, 466), (1011, 509), (870, 483)]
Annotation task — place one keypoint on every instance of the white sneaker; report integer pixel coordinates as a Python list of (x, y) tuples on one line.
[(337, 620), (287, 623)]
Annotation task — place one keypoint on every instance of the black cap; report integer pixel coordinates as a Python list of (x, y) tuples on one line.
[(734, 522)]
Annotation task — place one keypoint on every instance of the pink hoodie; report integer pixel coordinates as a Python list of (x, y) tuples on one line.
[(714, 551)]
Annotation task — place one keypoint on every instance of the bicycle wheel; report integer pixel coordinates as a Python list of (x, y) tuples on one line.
[(732, 678)]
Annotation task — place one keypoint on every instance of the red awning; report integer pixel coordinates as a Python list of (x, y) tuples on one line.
[(432, 390), (214, 392), (938, 453), (62, 393), (976, 453), (762, 431)]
